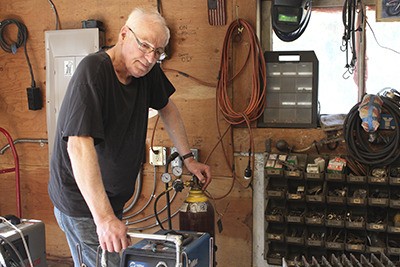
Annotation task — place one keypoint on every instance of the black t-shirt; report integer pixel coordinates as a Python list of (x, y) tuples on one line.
[(115, 115)]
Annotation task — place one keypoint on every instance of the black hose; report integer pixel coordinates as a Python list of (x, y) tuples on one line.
[(357, 142), (155, 209)]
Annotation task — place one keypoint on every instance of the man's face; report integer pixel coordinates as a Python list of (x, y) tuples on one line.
[(142, 50)]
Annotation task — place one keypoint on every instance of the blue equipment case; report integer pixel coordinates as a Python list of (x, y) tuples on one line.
[(196, 250)]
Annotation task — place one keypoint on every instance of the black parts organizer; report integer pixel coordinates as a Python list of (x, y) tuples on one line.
[(292, 90), (314, 215)]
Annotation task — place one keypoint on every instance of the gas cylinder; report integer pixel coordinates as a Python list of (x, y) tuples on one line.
[(197, 213)]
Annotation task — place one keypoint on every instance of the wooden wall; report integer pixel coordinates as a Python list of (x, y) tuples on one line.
[(196, 50)]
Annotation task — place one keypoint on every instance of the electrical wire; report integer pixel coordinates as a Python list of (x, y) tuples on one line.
[(153, 134), (21, 41), (190, 77), (377, 42), (53, 7)]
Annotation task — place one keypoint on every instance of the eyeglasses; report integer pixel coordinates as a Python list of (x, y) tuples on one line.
[(147, 49)]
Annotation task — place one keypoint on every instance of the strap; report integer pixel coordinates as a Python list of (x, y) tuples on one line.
[(188, 155)]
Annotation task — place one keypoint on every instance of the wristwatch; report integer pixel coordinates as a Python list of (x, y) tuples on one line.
[(188, 155)]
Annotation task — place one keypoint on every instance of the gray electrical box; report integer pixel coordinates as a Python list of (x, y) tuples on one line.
[(64, 50)]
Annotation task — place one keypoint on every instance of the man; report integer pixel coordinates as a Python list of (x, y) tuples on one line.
[(101, 133)]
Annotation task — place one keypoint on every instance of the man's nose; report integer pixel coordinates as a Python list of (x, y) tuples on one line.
[(151, 57)]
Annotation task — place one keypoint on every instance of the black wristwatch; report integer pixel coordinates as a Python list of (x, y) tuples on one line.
[(188, 155)]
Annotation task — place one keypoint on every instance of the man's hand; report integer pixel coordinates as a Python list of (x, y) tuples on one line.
[(200, 170), (112, 235)]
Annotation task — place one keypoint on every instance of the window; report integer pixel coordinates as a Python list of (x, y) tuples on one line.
[(337, 91)]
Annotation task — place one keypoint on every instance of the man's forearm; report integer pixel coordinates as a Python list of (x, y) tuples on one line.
[(88, 176), (175, 127)]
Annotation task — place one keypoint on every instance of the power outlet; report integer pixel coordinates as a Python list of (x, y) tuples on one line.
[(195, 152), (160, 157)]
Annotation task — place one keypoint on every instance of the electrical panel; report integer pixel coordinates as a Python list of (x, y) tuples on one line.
[(64, 51), (292, 90)]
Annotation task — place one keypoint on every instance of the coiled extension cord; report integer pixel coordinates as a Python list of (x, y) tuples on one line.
[(357, 142), (22, 37)]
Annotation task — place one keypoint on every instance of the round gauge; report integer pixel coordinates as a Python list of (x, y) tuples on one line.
[(166, 177), (177, 171)]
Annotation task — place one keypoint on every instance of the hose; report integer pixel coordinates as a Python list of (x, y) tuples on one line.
[(155, 207), (357, 142)]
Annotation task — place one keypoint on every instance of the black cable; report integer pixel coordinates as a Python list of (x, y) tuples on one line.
[(169, 160), (357, 142), (349, 39), (53, 7), (168, 200), (155, 209), (21, 41)]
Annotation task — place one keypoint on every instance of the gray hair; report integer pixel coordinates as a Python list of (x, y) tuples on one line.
[(151, 17)]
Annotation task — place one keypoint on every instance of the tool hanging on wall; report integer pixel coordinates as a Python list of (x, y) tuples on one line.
[(216, 12)]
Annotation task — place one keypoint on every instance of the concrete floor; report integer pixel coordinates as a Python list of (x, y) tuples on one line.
[(60, 263)]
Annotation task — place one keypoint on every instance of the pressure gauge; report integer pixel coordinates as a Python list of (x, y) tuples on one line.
[(177, 171), (176, 164), (166, 177)]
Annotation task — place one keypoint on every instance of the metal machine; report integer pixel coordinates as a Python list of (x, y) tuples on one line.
[(168, 248), (13, 252)]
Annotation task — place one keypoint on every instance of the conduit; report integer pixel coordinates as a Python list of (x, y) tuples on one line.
[(24, 140)]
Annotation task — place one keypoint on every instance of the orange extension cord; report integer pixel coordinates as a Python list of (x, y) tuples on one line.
[(256, 104)]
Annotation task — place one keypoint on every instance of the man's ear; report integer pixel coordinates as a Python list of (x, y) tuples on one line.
[(123, 32)]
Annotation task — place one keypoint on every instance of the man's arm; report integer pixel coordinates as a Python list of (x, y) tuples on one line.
[(111, 231), (176, 131)]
